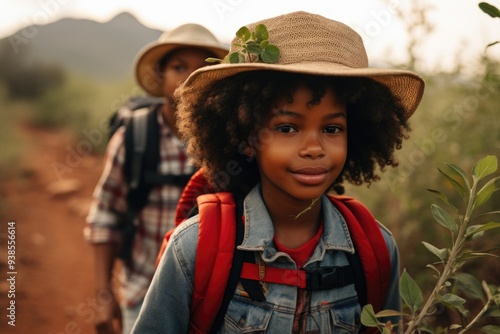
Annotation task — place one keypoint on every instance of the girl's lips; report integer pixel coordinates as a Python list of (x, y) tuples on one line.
[(310, 170), (310, 176)]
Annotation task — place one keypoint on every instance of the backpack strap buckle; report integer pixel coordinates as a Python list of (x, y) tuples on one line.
[(328, 277), (262, 269)]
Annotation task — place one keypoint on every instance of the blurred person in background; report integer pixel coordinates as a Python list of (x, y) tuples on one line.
[(117, 225)]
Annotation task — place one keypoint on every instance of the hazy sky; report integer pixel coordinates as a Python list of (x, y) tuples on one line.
[(460, 27)]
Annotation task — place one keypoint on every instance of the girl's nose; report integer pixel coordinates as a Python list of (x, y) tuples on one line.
[(312, 147)]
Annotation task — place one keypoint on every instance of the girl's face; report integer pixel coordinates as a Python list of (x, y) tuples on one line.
[(179, 66), (302, 149)]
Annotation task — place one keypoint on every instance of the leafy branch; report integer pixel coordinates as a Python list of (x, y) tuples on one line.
[(492, 11), (452, 285), (253, 47)]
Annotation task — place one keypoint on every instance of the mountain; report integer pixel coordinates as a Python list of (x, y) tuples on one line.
[(88, 47)]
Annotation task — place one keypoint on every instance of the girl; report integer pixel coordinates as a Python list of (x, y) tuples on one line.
[(281, 135)]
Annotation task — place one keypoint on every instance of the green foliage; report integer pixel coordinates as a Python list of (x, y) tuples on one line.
[(492, 11), (24, 79), (254, 47), (61, 108), (370, 319), (453, 287), (81, 104), (455, 122), (489, 9), (410, 292), (12, 144)]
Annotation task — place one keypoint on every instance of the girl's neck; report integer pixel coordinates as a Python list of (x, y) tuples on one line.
[(294, 225)]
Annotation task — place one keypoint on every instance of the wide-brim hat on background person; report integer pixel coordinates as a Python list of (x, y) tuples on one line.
[(312, 44), (186, 35)]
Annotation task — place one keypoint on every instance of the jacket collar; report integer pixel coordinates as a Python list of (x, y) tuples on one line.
[(259, 229)]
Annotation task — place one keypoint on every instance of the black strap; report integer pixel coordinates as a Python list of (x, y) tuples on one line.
[(128, 236), (142, 156), (141, 153), (235, 271), (159, 179), (359, 277), (252, 287), (143, 101), (320, 278), (123, 114)]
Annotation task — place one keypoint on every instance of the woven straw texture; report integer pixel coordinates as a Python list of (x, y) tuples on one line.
[(313, 44)]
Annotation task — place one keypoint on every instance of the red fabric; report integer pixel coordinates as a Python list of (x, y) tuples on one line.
[(275, 275), (215, 250), (302, 254), (370, 243), (196, 186)]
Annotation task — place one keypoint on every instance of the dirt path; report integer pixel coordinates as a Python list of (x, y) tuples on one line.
[(54, 281)]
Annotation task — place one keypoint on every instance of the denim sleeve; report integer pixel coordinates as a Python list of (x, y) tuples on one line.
[(166, 305), (393, 297)]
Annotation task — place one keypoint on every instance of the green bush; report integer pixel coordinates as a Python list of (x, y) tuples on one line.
[(462, 222)]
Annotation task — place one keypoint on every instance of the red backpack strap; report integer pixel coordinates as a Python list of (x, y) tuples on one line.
[(370, 243), (196, 186), (216, 241)]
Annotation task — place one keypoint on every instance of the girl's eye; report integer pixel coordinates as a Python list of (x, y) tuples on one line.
[(333, 129), (176, 67), (179, 68), (286, 128)]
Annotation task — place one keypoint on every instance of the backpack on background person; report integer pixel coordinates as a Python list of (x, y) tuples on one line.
[(142, 157)]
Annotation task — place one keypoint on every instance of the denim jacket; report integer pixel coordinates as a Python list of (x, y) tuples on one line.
[(166, 306)]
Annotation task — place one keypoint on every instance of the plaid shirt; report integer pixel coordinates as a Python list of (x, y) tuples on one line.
[(152, 222)]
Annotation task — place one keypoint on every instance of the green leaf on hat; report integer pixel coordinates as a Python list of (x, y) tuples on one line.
[(244, 34), (261, 33), (236, 57), (252, 47), (271, 54), (212, 60)]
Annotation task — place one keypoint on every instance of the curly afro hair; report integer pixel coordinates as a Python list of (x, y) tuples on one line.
[(228, 113)]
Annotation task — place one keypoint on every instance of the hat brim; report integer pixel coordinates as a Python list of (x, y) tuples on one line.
[(406, 86), (148, 58)]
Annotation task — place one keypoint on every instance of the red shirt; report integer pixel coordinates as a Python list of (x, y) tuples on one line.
[(301, 255)]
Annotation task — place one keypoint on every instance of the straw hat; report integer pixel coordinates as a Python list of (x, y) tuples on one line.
[(313, 44), (187, 35)]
